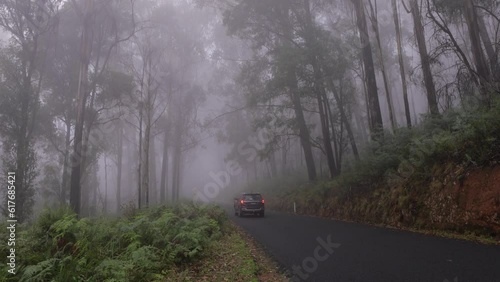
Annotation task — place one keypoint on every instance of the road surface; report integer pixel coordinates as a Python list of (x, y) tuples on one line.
[(317, 249)]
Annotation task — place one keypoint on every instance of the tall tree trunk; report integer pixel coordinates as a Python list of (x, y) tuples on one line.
[(390, 106), (176, 174), (284, 153), (401, 63), (177, 157), (119, 163), (152, 173), (371, 82), (319, 87), (105, 204), (139, 168), (303, 132), (297, 105), (424, 58), (164, 170), (344, 120), (488, 45), (65, 175), (477, 51), (334, 133), (145, 171), (85, 49)]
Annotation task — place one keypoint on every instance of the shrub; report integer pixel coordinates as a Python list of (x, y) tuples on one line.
[(142, 247)]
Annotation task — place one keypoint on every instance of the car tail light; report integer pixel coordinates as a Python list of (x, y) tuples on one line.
[(242, 202), (262, 200)]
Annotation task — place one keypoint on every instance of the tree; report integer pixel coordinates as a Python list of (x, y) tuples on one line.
[(319, 87), (26, 22), (374, 20), (103, 22), (482, 69), (395, 14), (85, 50), (424, 58), (376, 124), (269, 26)]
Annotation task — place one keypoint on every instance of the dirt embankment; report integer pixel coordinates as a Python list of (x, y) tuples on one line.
[(454, 200), (471, 201)]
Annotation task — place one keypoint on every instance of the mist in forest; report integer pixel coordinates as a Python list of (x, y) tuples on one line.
[(110, 104)]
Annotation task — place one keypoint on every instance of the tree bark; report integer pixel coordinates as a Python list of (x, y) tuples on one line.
[(401, 63), (85, 49), (488, 45), (65, 175), (119, 163), (152, 172), (424, 58), (139, 168), (319, 87), (477, 51), (164, 170), (373, 101), (343, 117), (390, 106), (294, 93), (105, 204)]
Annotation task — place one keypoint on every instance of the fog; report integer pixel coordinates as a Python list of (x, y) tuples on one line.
[(140, 103)]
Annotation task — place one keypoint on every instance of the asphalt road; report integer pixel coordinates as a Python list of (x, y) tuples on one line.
[(316, 249)]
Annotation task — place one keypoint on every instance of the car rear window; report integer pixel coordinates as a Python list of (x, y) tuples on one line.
[(252, 197)]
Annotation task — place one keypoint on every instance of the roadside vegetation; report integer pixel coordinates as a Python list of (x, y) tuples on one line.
[(440, 175), (185, 242)]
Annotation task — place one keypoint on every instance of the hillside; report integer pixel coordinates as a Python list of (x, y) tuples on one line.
[(443, 175)]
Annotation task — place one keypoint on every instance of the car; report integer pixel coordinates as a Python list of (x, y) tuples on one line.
[(249, 203)]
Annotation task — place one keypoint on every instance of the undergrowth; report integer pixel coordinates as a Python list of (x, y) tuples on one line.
[(405, 158), (146, 246)]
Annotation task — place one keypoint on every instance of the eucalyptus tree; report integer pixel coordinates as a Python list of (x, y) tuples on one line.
[(26, 23), (424, 57), (397, 26), (475, 52), (376, 124), (104, 26), (269, 27)]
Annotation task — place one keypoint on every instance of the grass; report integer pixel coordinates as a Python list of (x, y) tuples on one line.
[(235, 257)]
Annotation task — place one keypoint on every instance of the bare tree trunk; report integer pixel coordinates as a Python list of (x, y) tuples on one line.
[(424, 57), (284, 153), (164, 170), (401, 63), (488, 45), (297, 106), (177, 157), (119, 163), (319, 86), (105, 205), (152, 172), (344, 120), (67, 145), (139, 172), (477, 51), (371, 82), (374, 20), (145, 171), (85, 49)]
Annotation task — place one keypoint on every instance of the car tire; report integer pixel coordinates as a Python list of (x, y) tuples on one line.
[(240, 214), (261, 214)]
